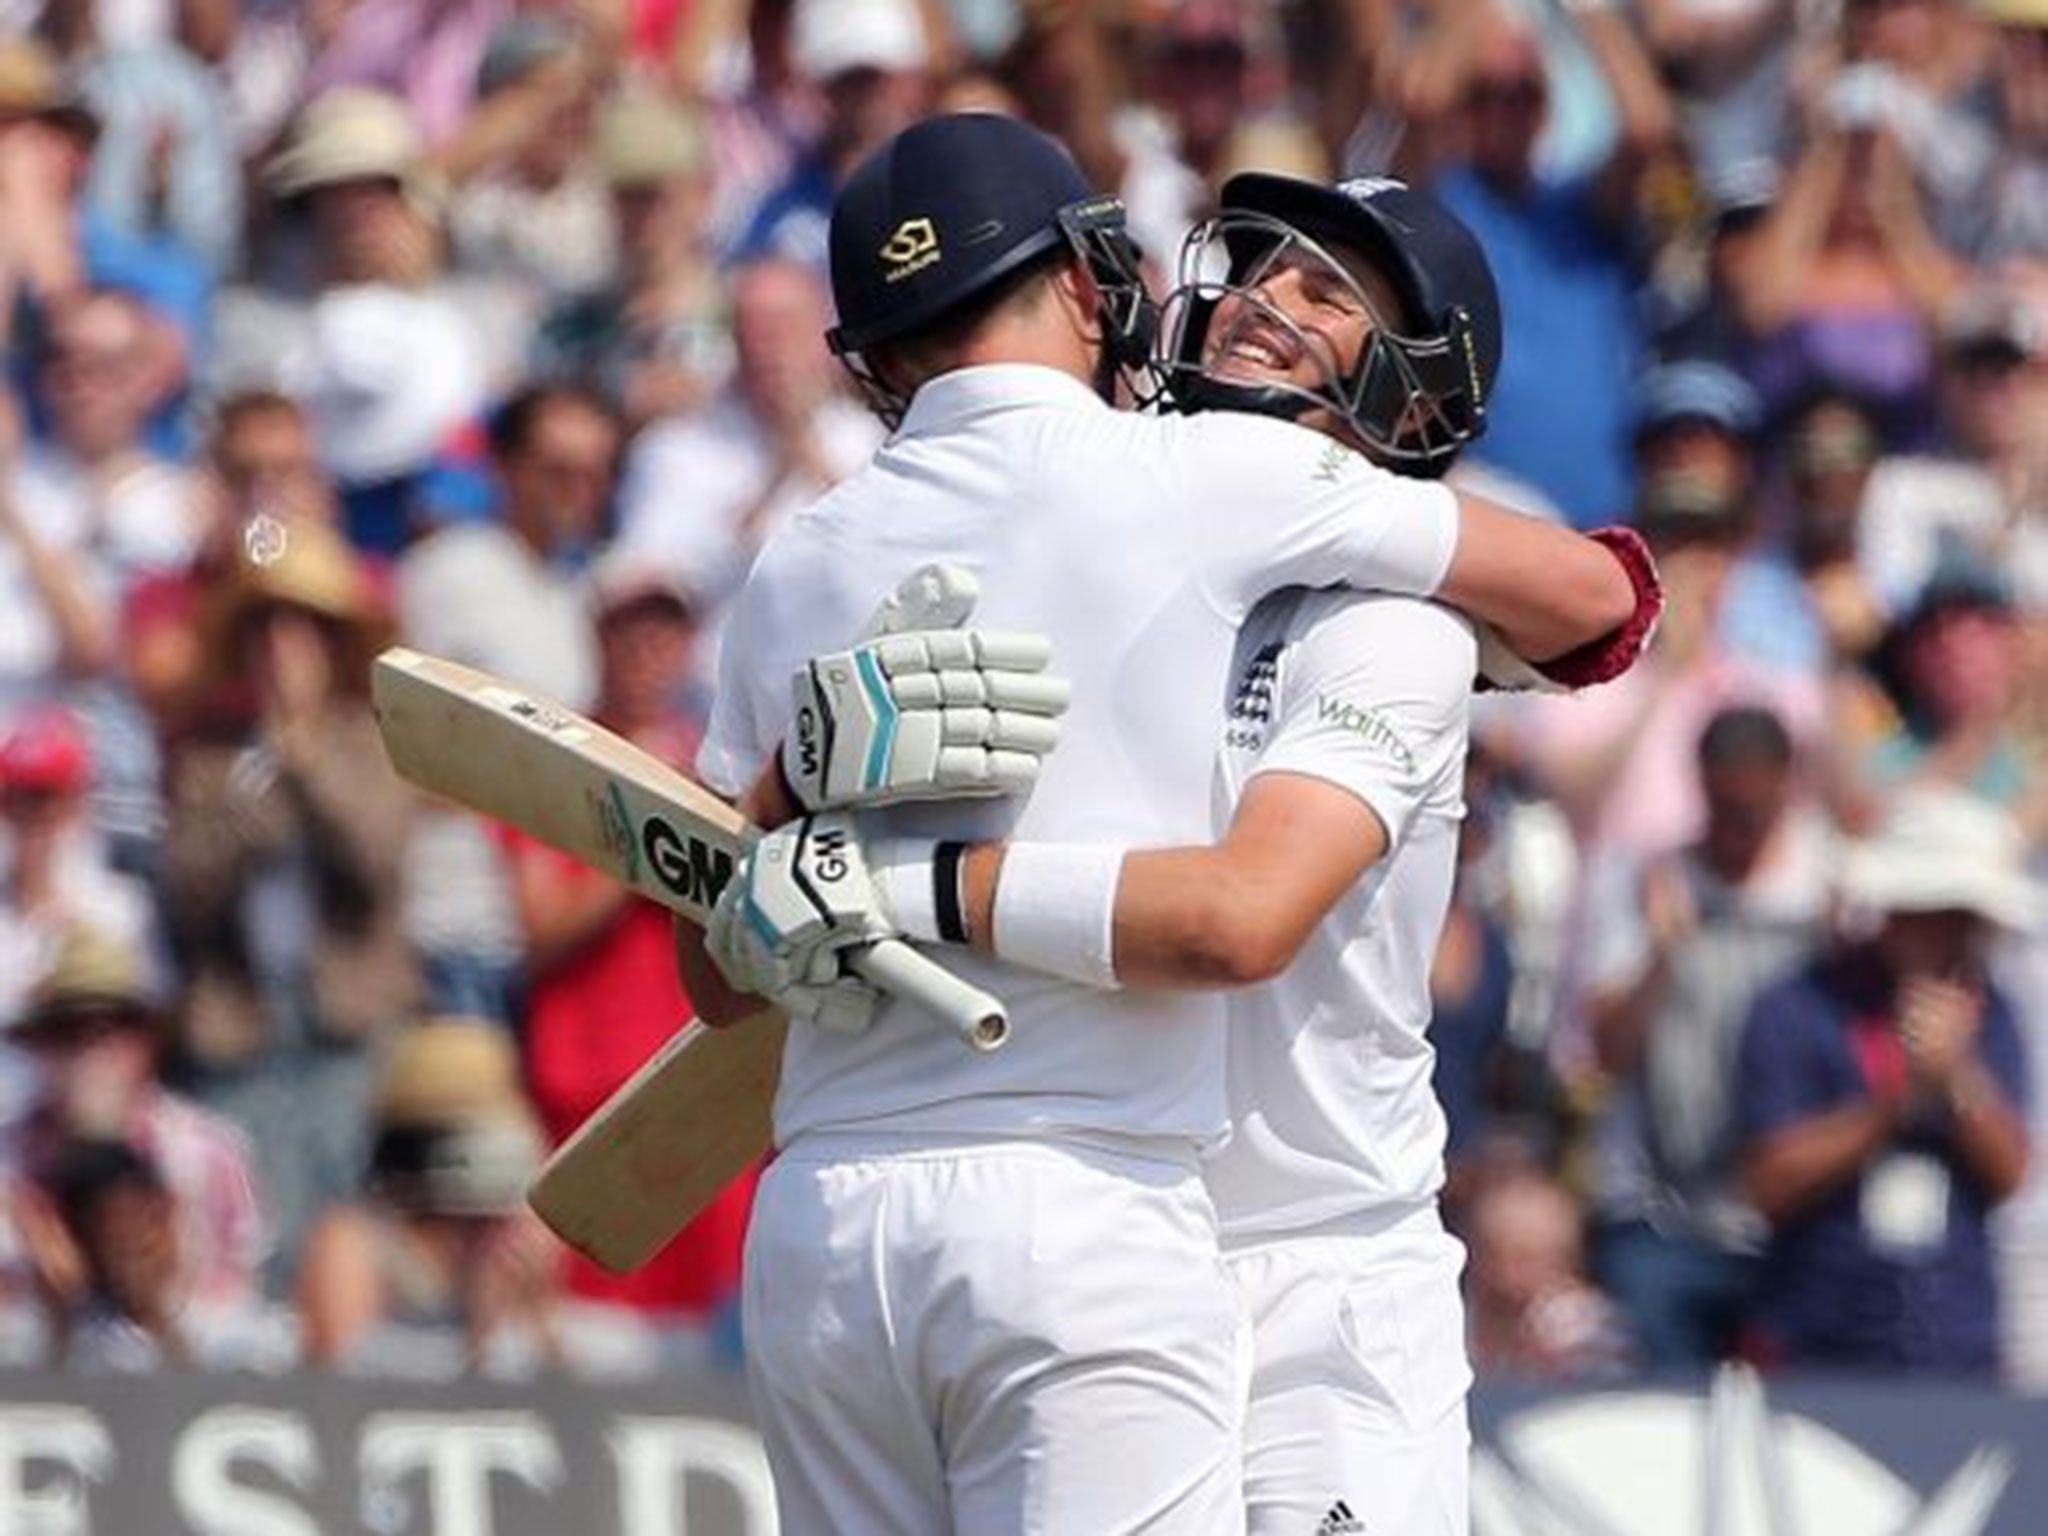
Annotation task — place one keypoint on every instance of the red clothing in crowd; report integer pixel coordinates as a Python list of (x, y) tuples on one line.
[(592, 1020)]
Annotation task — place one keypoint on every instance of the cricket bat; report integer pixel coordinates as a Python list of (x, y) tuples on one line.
[(672, 1136), (565, 780), (538, 766)]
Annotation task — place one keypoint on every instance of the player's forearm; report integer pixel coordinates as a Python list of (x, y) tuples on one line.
[(715, 1003), (1229, 915), (1544, 588), (1183, 918)]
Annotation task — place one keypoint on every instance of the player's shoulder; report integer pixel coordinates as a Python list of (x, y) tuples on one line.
[(1394, 634), (1347, 612)]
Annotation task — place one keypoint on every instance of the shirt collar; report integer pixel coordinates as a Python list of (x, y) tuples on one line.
[(954, 397)]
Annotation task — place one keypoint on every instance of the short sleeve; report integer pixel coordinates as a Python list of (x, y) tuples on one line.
[(732, 753), (1280, 506), (1376, 701), (1779, 1080)]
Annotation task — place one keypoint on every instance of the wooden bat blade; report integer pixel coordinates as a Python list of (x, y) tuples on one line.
[(536, 765), (682, 1128)]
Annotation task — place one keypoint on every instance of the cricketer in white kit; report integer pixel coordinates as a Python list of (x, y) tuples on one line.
[(1337, 797)]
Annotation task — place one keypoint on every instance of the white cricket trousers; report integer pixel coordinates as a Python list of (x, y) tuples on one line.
[(1359, 1375), (993, 1338)]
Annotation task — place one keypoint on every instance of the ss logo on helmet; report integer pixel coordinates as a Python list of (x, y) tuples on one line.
[(913, 247)]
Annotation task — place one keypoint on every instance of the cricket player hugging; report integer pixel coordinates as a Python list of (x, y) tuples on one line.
[(987, 1294)]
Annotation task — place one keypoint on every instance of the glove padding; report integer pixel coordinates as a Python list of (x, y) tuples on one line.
[(921, 710), (796, 907)]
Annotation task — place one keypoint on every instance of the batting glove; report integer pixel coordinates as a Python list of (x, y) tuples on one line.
[(923, 710), (798, 903)]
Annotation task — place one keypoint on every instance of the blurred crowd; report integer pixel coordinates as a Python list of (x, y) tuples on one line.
[(495, 326)]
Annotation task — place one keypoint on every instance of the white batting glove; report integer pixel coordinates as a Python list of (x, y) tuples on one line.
[(923, 710), (783, 926)]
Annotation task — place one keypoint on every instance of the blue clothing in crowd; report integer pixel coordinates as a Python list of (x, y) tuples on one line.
[(1843, 1283), (1561, 416)]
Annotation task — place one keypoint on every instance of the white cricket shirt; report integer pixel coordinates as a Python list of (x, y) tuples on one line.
[(1335, 1124), (1139, 544)]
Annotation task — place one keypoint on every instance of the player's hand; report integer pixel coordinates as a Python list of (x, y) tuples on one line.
[(922, 709), (783, 928)]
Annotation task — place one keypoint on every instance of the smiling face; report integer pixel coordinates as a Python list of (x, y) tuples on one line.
[(1299, 320)]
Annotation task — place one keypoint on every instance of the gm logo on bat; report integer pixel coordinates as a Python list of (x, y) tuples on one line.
[(686, 865)]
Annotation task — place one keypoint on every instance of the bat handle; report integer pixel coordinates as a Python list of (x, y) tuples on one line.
[(974, 1015)]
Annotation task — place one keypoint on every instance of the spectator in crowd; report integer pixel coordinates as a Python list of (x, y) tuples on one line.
[(1533, 1315), (164, 168), (1730, 66), (1847, 277), (531, 217), (869, 60), (603, 992), (1985, 488), (1491, 979), (425, 57), (1471, 980), (90, 510), (388, 363), (506, 595), (706, 491), (1950, 671), (1560, 253), (1882, 1092), (84, 517), (1697, 309), (260, 478), (52, 240), (1831, 446), (441, 1273), (1198, 70), (281, 868), (55, 868), (655, 335), (1620, 758), (756, 118), (97, 1036), (1680, 947), (2004, 218)]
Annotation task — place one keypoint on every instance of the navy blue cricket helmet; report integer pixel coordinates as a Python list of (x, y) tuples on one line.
[(951, 208), (1418, 392)]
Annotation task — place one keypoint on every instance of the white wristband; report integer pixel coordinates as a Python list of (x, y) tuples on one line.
[(901, 868), (1056, 909)]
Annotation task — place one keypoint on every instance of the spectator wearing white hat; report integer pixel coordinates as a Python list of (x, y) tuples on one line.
[(655, 335), (96, 1031), (871, 62), (441, 1272), (388, 362), (1883, 1093)]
